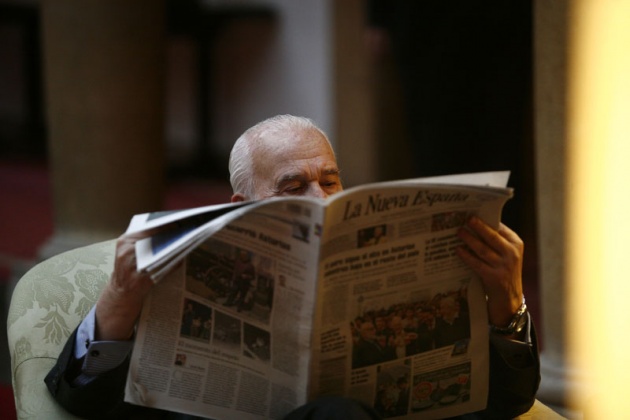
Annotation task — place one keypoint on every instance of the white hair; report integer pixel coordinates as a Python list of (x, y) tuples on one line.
[(241, 163)]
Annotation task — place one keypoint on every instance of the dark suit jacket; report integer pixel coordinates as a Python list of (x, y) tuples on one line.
[(366, 353), (514, 379)]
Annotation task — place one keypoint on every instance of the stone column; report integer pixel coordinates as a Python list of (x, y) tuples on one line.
[(353, 99), (104, 68), (550, 138), (550, 61)]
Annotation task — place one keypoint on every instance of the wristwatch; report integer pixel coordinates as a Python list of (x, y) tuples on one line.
[(516, 325)]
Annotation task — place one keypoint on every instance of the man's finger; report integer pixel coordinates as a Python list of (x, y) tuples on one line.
[(479, 248), (510, 235), (487, 234)]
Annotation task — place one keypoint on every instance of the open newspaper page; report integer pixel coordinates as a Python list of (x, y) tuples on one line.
[(175, 233), (227, 334), (401, 322), (200, 215)]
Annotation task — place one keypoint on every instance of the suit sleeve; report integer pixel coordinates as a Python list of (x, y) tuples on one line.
[(100, 397), (514, 377)]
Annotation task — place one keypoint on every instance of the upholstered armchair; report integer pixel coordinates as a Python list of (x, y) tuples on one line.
[(47, 305)]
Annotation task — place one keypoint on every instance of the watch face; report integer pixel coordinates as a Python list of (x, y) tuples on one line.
[(518, 323), (522, 321)]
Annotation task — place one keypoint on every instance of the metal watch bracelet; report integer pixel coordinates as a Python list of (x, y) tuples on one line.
[(516, 324)]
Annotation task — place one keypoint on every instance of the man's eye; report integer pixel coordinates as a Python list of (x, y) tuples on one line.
[(293, 189)]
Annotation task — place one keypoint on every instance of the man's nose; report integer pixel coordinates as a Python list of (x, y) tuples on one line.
[(317, 191)]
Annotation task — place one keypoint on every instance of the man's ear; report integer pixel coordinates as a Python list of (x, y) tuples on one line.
[(237, 197)]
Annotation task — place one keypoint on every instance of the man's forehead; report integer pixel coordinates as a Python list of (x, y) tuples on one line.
[(282, 152), (278, 140)]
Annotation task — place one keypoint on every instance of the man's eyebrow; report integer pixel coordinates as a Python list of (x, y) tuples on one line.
[(290, 178), (300, 177), (331, 171)]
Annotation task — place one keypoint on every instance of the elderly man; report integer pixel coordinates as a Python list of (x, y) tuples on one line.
[(450, 326), (367, 351), (290, 156)]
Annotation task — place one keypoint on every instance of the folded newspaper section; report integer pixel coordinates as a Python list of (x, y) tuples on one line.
[(283, 300)]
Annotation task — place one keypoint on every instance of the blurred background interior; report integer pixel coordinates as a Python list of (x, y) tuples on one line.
[(111, 108)]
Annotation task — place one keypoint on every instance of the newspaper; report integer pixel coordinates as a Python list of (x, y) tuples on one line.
[(264, 306)]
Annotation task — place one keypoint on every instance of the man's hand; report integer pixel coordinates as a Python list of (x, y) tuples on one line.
[(497, 257), (120, 303)]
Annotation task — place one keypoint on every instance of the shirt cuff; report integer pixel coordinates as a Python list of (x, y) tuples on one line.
[(85, 334), (100, 356), (103, 356)]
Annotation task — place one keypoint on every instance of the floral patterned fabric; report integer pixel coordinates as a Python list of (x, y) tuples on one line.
[(47, 305)]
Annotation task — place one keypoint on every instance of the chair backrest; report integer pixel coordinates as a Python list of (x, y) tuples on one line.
[(48, 303)]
